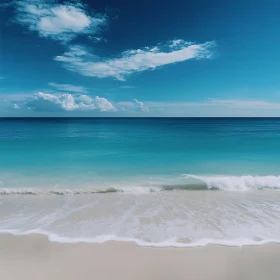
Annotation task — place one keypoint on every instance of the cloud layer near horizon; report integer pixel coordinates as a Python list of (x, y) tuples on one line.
[(69, 103), (66, 102)]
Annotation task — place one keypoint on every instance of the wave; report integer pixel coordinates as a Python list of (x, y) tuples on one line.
[(236, 242), (34, 191), (41, 191), (191, 182), (238, 183)]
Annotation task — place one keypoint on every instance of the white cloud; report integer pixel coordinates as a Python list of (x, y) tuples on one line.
[(97, 39), (126, 105), (45, 102), (127, 87), (176, 43), (133, 106), (104, 105), (85, 98), (61, 22), (41, 102), (141, 106), (6, 106), (68, 87), (79, 59)]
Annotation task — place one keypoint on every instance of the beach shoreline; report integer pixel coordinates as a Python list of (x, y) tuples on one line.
[(35, 257)]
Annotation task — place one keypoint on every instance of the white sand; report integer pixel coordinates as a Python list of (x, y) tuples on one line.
[(34, 257)]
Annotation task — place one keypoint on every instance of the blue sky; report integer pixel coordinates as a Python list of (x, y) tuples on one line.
[(127, 58)]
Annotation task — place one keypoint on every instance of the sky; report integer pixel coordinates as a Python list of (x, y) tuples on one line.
[(120, 58)]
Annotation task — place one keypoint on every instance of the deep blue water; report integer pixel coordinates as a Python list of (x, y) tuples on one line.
[(63, 151)]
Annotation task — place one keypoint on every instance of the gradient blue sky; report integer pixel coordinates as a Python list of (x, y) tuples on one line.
[(139, 58)]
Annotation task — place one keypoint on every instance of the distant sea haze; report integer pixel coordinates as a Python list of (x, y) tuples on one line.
[(154, 181)]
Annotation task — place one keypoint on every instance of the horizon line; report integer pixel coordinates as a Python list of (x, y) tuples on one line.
[(140, 117)]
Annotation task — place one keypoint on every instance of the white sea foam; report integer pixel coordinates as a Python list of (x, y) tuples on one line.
[(238, 183), (185, 182), (161, 219), (66, 191), (157, 213), (172, 242)]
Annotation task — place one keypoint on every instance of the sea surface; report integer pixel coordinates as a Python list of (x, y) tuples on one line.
[(154, 181)]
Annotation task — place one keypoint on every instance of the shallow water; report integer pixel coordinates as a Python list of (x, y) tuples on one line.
[(179, 218), (157, 182)]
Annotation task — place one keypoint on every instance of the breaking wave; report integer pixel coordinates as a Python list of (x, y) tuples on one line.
[(190, 182), (238, 183), (34, 191)]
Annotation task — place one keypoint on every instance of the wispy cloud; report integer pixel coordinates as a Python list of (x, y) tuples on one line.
[(68, 87), (62, 22), (122, 87), (225, 103), (79, 59), (2, 78), (127, 87), (141, 105), (249, 104), (134, 105), (97, 39), (216, 107)]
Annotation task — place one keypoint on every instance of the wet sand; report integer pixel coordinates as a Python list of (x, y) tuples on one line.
[(34, 257)]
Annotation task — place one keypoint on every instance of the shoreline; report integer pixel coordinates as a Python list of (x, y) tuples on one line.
[(35, 257), (104, 239)]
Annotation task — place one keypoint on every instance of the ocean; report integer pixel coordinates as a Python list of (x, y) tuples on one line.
[(177, 182)]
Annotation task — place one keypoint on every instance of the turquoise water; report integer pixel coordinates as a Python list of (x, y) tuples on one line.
[(155, 182), (74, 152)]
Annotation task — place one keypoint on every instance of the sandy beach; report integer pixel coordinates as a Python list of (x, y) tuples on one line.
[(34, 257)]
